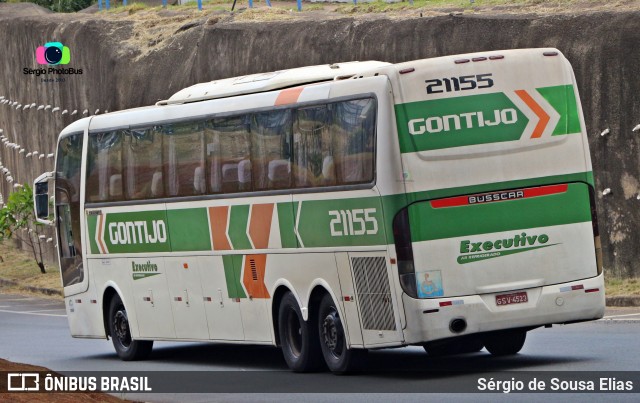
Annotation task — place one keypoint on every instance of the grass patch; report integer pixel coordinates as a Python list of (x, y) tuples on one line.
[(129, 8), (19, 266), (618, 286)]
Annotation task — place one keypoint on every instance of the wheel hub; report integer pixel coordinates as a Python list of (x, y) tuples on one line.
[(121, 328), (332, 334)]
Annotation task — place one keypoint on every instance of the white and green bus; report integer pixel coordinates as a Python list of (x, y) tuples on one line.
[(446, 203)]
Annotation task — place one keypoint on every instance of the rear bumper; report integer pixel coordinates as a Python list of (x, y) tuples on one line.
[(558, 303)]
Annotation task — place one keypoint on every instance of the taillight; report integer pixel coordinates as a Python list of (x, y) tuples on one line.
[(596, 231), (404, 253)]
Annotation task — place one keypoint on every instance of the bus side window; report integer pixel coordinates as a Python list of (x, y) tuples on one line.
[(104, 168), (142, 163), (184, 158), (353, 132), (228, 155), (270, 153), (312, 148)]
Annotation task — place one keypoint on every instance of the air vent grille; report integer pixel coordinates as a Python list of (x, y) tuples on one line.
[(373, 293)]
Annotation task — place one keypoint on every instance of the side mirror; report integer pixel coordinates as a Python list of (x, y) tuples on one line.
[(41, 198)]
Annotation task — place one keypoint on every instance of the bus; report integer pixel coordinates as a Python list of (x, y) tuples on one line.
[(446, 203)]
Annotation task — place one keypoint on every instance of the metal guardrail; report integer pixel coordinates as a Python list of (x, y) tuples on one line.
[(107, 3)]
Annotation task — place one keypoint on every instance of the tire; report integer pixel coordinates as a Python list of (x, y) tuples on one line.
[(333, 341), (298, 338), (126, 348), (506, 342), (454, 347)]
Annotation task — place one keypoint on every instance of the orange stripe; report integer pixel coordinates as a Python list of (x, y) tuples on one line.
[(260, 225), (253, 277), (288, 96), (218, 223), (537, 109), (100, 234)]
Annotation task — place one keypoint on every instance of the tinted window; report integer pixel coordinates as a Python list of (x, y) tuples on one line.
[(317, 146), (104, 170)]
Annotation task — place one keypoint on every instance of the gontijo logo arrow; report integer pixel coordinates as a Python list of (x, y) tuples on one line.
[(543, 117)]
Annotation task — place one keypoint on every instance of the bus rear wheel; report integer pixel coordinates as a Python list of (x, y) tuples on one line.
[(298, 338), (126, 348), (506, 342), (333, 342)]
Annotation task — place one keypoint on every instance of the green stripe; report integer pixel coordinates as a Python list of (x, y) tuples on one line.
[(286, 222), (459, 121), (347, 217), (92, 222), (238, 220), (189, 229), (138, 276), (563, 99), (136, 240), (232, 270), (570, 207), (394, 203)]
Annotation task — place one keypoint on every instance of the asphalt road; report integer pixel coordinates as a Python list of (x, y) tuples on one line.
[(35, 331)]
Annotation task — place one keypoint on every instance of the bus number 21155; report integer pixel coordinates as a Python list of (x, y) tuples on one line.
[(353, 222)]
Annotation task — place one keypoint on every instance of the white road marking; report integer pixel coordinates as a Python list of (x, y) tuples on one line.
[(46, 310), (622, 320), (31, 313), (620, 316), (16, 299)]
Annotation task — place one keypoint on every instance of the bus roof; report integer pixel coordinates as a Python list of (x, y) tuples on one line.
[(269, 81)]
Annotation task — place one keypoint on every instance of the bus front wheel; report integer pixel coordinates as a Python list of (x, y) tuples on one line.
[(126, 348), (298, 338), (333, 341), (506, 342)]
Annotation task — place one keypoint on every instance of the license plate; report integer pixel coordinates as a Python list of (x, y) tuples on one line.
[(515, 298)]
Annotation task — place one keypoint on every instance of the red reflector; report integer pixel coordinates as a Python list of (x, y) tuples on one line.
[(392, 261), (592, 290), (431, 311), (146, 299), (550, 53), (178, 299), (446, 303), (460, 61), (208, 299), (78, 301), (577, 287), (409, 70), (496, 57), (346, 298), (478, 59), (186, 266), (93, 301)]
